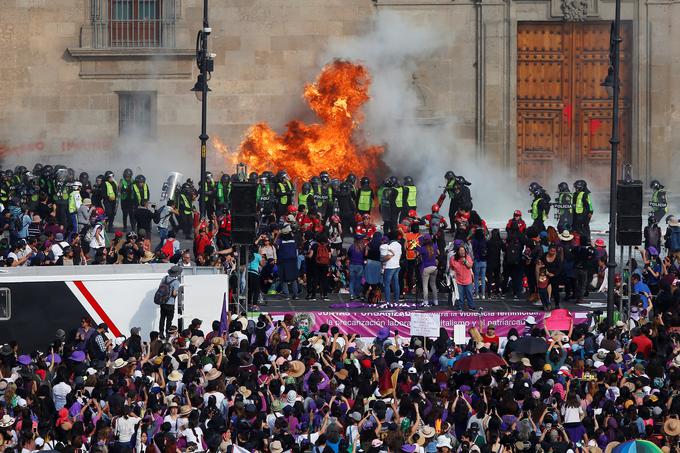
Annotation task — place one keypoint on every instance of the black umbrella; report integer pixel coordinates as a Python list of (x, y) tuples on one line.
[(531, 345)]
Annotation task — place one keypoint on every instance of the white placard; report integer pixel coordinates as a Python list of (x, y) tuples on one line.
[(425, 324), (459, 334)]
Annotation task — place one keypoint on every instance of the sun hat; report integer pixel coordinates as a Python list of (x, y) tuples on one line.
[(296, 369), (383, 333), (599, 242), (427, 431), (119, 363), (174, 376), (24, 359), (213, 374), (276, 447), (245, 391), (525, 361), (530, 320), (672, 427), (566, 236), (77, 356), (185, 410), (6, 421), (653, 251)]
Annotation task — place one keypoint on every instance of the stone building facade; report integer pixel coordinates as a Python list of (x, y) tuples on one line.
[(77, 73)]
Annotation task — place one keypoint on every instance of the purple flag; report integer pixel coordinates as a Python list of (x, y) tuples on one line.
[(224, 317)]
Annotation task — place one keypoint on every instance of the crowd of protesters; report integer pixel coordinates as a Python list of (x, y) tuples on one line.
[(279, 385)]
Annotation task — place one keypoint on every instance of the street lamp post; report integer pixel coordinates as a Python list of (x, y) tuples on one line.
[(612, 85), (205, 64)]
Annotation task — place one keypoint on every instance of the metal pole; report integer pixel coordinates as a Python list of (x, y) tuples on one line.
[(204, 110), (614, 140)]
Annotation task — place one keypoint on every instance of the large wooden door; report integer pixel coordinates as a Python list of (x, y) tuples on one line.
[(563, 114)]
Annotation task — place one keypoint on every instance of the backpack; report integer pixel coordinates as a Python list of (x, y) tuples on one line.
[(163, 292), (323, 254), (89, 234), (157, 216), (168, 248)]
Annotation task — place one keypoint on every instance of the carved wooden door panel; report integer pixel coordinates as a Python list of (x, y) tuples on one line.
[(563, 114)]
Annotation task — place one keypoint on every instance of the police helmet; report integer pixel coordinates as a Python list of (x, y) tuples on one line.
[(335, 182), (60, 175), (534, 187), (387, 182), (394, 181), (208, 175), (19, 170), (325, 179), (315, 180), (408, 181), (343, 187), (140, 179), (186, 187), (37, 168), (462, 180), (59, 167), (306, 187), (449, 175), (76, 184), (235, 177), (655, 185), (252, 177), (263, 178), (267, 174), (46, 171), (580, 184), (365, 181), (563, 187), (84, 177), (99, 179), (324, 173), (8, 173), (70, 174), (108, 174), (282, 174), (224, 178), (127, 173), (351, 179)]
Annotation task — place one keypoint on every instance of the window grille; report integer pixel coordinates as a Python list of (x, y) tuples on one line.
[(133, 23)]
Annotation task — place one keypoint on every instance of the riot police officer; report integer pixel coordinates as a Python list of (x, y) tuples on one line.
[(140, 192), (388, 207), (305, 197), (346, 208), (399, 200), (540, 206), (86, 185), (324, 196), (110, 198), (285, 193), (74, 202), (365, 197), (185, 207), (46, 182), (127, 204), (60, 196), (253, 177), (563, 207), (98, 191), (223, 191), (583, 210), (658, 202), (265, 199), (410, 196), (209, 189), (351, 180)]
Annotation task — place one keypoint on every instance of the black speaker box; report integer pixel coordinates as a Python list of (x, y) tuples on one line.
[(629, 199), (629, 230), (243, 199)]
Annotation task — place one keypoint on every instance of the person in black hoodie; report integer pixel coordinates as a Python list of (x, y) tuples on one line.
[(494, 249)]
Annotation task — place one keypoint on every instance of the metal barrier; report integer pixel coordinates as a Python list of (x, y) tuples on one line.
[(133, 23)]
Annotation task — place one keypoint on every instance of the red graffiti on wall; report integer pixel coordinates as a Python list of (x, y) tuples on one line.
[(89, 145), (65, 146), (22, 147)]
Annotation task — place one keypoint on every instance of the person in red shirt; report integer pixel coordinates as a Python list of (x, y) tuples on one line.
[(516, 223), (365, 227), (642, 341), (491, 337), (203, 237)]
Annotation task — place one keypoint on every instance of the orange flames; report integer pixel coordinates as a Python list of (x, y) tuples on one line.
[(335, 145)]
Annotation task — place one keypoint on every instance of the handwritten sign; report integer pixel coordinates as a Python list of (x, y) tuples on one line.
[(459, 334), (425, 324)]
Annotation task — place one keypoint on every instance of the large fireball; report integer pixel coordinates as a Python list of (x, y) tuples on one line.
[(336, 144)]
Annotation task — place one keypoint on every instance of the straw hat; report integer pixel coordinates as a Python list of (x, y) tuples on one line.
[(245, 391), (342, 374), (119, 363), (566, 236), (213, 374), (6, 421), (174, 376), (296, 369), (185, 410), (610, 446), (217, 341), (427, 432), (672, 427)]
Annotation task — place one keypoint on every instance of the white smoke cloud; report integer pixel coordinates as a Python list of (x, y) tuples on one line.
[(421, 143)]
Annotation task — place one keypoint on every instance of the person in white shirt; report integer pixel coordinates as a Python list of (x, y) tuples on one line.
[(125, 427), (59, 393), (390, 255)]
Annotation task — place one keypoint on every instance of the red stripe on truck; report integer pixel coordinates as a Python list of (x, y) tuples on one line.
[(97, 308)]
